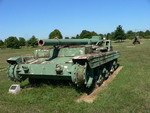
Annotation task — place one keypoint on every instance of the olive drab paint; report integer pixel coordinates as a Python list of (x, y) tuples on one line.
[(82, 61)]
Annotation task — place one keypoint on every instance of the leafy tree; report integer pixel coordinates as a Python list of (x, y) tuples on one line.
[(110, 36), (147, 32), (66, 37), (22, 41), (140, 33), (55, 33), (1, 43), (73, 37), (87, 34), (93, 33), (119, 33), (102, 35), (12, 42), (130, 34), (77, 36), (32, 41)]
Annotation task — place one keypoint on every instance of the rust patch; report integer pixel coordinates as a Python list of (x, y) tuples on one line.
[(90, 98), (94, 55), (26, 59)]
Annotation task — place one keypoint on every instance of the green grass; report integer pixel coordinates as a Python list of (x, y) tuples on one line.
[(128, 92)]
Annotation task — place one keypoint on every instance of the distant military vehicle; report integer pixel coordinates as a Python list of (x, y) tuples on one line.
[(82, 61), (136, 40)]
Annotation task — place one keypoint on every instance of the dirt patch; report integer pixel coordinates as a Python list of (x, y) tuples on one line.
[(90, 98), (2, 69), (26, 89), (130, 46)]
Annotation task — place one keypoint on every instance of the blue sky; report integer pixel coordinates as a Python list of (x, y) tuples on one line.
[(24, 18)]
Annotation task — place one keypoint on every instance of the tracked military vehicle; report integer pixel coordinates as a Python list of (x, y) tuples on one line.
[(82, 61)]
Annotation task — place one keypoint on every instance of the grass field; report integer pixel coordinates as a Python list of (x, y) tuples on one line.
[(128, 92)]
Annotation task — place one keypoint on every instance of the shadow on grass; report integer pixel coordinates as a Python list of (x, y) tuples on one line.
[(58, 83), (34, 83)]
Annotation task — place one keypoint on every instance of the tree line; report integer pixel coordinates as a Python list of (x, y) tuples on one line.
[(118, 34), (16, 43)]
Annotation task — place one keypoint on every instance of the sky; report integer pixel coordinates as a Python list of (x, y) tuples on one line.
[(25, 18)]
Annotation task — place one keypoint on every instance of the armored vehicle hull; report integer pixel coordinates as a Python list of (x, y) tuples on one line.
[(82, 61)]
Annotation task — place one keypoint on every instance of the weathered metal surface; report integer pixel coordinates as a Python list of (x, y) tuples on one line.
[(83, 64), (47, 42)]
